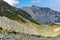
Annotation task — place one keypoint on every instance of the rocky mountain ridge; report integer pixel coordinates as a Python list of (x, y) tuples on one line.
[(43, 15)]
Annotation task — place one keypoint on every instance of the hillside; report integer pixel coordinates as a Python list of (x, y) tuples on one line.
[(15, 19), (19, 21)]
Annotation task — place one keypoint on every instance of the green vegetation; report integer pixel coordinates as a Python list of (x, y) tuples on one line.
[(12, 16)]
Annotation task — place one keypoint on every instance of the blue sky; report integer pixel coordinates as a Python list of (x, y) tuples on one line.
[(24, 3), (53, 4), (32, 2)]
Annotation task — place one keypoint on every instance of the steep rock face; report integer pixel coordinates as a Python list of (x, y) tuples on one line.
[(44, 15)]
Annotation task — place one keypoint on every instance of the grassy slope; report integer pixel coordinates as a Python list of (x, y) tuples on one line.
[(49, 30)]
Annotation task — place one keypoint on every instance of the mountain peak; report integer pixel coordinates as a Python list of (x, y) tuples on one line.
[(34, 6), (24, 7)]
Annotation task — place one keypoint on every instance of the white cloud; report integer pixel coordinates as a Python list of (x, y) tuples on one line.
[(36, 1), (12, 2)]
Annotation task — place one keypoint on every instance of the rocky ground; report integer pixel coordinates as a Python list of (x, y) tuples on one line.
[(21, 36), (6, 24)]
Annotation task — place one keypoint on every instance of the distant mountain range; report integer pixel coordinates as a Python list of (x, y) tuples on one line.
[(43, 15)]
